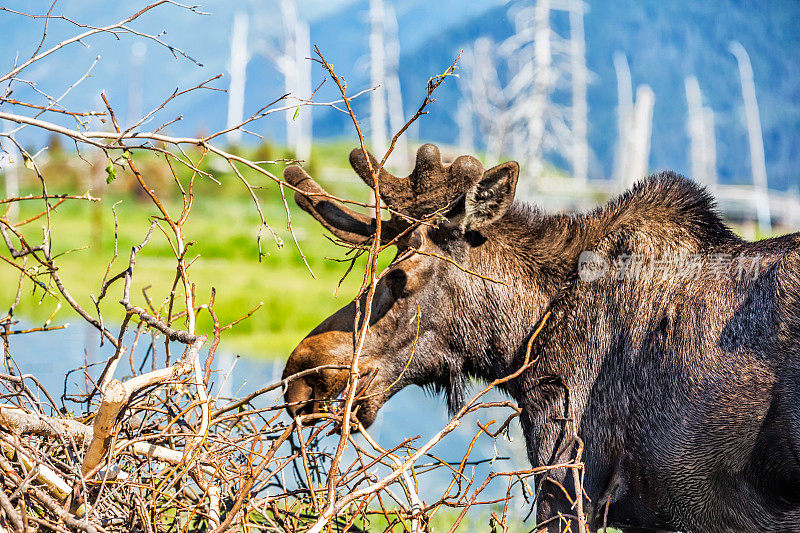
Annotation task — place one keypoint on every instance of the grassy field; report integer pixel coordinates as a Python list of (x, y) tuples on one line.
[(224, 225)]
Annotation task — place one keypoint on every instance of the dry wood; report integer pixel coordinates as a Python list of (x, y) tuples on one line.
[(112, 399)]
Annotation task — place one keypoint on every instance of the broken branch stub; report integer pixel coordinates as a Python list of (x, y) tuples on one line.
[(113, 397)]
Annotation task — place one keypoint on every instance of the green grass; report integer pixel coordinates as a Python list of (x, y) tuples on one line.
[(223, 225), (477, 518)]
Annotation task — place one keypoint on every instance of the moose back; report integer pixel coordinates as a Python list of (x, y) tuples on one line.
[(671, 348)]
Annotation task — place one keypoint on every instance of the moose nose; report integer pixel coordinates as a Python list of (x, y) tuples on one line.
[(298, 394)]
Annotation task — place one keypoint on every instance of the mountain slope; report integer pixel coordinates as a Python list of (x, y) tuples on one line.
[(663, 41)]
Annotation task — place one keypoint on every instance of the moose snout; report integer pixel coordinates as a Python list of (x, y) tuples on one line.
[(299, 397), (309, 383), (325, 347)]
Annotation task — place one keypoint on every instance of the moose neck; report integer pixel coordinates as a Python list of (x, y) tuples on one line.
[(665, 214), (537, 254), (532, 256), (535, 258)]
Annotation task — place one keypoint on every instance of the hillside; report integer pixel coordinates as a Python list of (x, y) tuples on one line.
[(664, 42)]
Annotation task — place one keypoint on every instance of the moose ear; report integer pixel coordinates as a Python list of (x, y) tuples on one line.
[(490, 198)]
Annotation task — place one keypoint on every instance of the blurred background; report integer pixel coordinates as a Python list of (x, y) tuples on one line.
[(593, 62), (588, 96)]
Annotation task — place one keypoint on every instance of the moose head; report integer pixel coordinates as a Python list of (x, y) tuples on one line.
[(431, 321)]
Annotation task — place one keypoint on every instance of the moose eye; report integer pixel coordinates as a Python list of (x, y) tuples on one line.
[(396, 281)]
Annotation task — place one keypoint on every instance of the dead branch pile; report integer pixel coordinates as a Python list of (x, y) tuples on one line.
[(160, 450)]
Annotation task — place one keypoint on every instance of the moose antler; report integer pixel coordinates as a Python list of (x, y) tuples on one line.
[(431, 187), (344, 223)]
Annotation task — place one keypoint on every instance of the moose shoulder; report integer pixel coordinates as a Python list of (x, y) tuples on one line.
[(671, 344)]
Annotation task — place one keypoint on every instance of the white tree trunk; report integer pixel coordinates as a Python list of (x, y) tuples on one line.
[(304, 120), (394, 93), (754, 134), (542, 59), (639, 145), (580, 146), (466, 129), (287, 64), (377, 70), (295, 65), (485, 95), (695, 127), (511, 91), (237, 68), (700, 127), (465, 112), (624, 118)]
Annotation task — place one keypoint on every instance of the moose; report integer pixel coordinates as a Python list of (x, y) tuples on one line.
[(682, 384)]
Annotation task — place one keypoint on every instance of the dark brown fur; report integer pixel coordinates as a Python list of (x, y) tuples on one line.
[(686, 393)]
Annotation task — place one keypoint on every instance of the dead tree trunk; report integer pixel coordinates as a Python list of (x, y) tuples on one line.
[(487, 101), (711, 146), (624, 118), (303, 139), (700, 127), (466, 129), (296, 70), (394, 93), (580, 146), (640, 128), (754, 134), (542, 58), (377, 71)]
